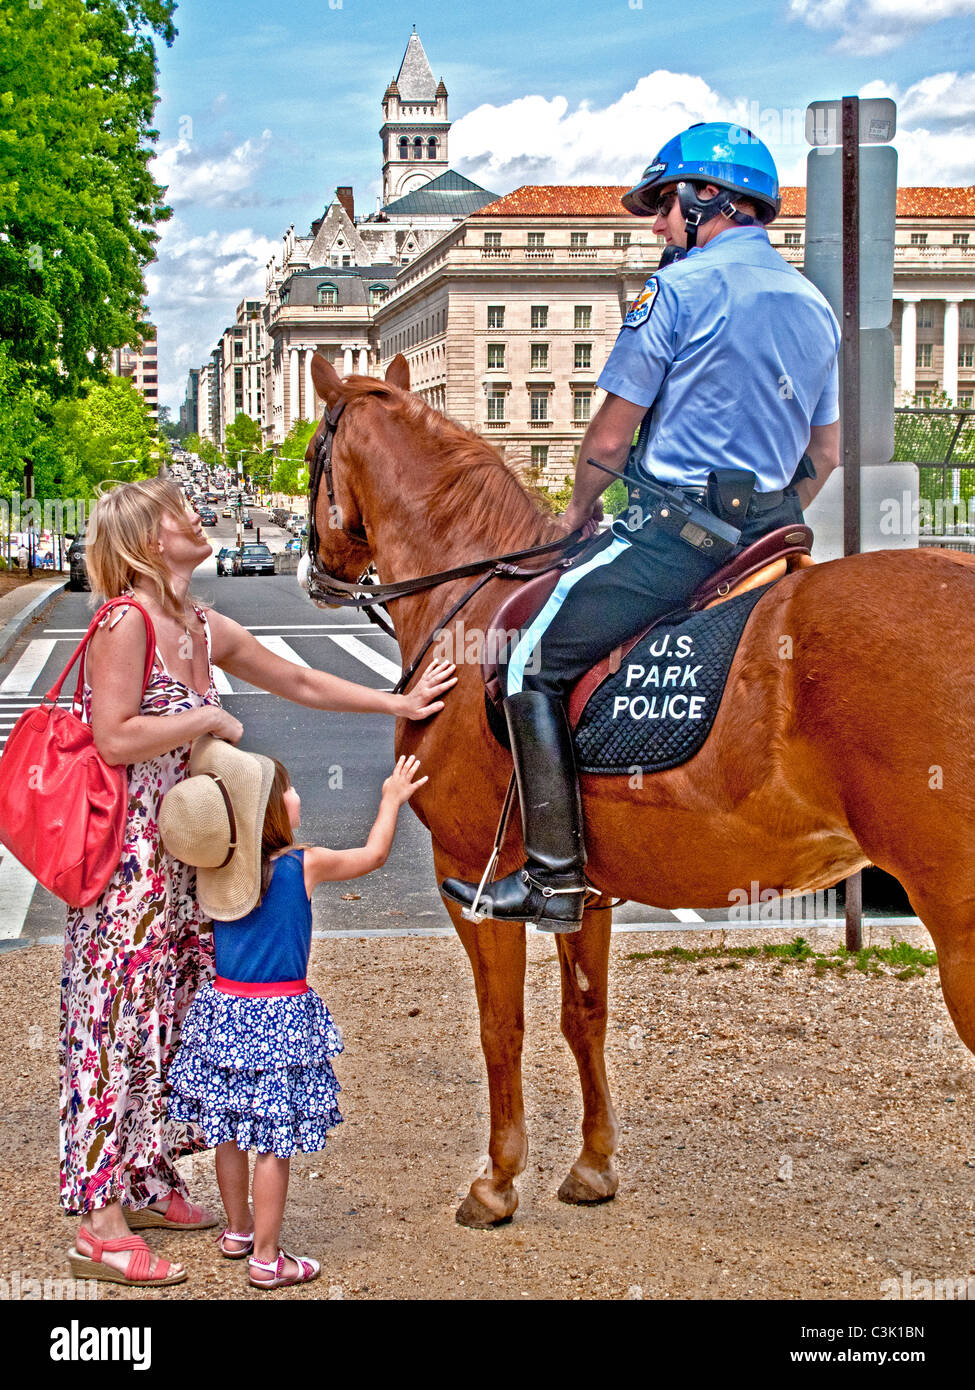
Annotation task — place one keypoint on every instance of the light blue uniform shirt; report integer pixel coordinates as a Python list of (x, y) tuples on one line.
[(737, 355)]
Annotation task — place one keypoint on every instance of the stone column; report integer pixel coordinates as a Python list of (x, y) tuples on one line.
[(293, 383), (909, 344), (949, 380), (311, 407), (364, 361), (347, 367)]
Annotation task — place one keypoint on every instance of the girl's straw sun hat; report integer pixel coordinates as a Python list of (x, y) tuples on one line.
[(214, 819)]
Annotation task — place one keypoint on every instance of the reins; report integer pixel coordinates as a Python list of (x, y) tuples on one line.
[(361, 593)]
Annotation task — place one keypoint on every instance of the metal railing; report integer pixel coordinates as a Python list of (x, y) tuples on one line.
[(941, 441)]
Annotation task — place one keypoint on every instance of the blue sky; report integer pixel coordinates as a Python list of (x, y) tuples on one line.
[(263, 113)]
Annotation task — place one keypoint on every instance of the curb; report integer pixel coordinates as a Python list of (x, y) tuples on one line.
[(12, 629)]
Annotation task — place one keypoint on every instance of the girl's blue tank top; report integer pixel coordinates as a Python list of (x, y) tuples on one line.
[(273, 942)]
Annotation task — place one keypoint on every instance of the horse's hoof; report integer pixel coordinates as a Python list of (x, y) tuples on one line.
[(475, 1214), (589, 1191)]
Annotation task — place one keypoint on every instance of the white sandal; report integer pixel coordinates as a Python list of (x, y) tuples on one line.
[(244, 1238), (307, 1270)]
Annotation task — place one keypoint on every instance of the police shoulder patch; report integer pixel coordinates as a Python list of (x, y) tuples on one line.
[(642, 305)]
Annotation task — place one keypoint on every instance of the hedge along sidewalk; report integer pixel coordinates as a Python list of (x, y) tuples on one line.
[(22, 605)]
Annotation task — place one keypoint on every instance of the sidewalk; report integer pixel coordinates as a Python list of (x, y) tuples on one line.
[(23, 604)]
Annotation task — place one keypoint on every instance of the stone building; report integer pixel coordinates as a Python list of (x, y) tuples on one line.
[(506, 321), (241, 367), (141, 366)]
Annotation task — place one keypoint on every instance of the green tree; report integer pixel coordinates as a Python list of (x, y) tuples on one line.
[(286, 476), (297, 439), (192, 443), (209, 453), (107, 434), (244, 433), (78, 204)]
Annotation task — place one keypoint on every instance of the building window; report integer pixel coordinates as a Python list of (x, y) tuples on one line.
[(495, 355), (404, 147), (328, 295), (492, 240), (536, 240), (495, 316), (495, 405), (923, 394), (922, 357), (238, 348), (793, 238), (418, 147), (583, 357), (925, 315), (377, 293), (621, 238), (578, 240), (581, 405), (539, 357), (346, 260), (919, 238), (539, 316), (966, 355), (964, 400), (539, 401), (966, 316), (539, 456), (959, 238), (583, 316), (432, 147)]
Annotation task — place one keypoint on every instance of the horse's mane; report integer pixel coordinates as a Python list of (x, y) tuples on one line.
[(469, 479)]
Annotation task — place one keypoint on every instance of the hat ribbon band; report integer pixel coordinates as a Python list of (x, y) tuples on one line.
[(230, 817)]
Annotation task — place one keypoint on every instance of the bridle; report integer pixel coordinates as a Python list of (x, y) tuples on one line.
[(323, 587)]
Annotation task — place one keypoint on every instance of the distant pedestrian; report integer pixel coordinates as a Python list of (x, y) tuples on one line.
[(253, 1069)]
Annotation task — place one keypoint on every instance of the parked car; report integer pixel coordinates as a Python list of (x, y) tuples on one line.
[(208, 516), (225, 559), (295, 523), (78, 570), (279, 516), (295, 546), (253, 559)]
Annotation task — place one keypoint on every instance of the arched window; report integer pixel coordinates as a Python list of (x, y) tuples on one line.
[(328, 295), (404, 147), (432, 147), (418, 148)]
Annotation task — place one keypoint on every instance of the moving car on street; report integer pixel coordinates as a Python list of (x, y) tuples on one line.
[(225, 559)]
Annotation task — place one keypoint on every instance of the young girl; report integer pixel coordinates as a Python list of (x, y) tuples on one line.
[(253, 1067)]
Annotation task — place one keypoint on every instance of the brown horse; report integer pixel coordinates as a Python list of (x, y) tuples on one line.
[(848, 744)]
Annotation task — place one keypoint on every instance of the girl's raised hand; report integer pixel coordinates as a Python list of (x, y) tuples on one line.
[(402, 782)]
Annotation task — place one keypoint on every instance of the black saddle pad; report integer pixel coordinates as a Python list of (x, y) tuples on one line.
[(658, 709)]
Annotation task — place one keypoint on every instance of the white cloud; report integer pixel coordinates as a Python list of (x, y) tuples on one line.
[(868, 27), (535, 139), (935, 137), (192, 175), (194, 286)]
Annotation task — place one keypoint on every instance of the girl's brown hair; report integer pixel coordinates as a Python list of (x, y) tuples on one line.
[(277, 834)]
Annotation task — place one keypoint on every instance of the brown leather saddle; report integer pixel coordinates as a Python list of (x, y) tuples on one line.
[(763, 562)]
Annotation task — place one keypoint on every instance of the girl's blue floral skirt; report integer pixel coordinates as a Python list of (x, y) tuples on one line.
[(257, 1071)]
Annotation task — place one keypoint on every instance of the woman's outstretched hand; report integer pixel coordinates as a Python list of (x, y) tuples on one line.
[(424, 699)]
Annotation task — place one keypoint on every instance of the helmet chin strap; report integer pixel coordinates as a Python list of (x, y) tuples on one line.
[(698, 210)]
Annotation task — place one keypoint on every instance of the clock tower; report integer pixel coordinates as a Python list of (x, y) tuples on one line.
[(415, 125)]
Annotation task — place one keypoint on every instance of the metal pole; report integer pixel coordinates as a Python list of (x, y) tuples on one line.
[(850, 405)]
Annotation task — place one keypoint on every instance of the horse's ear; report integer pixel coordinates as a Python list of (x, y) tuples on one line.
[(398, 372), (327, 381)]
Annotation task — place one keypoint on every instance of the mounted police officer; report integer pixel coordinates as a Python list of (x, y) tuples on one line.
[(726, 364)]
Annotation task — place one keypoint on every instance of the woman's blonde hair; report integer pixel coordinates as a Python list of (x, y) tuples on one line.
[(123, 538)]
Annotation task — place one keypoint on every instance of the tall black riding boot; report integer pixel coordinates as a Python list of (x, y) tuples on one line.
[(551, 889)]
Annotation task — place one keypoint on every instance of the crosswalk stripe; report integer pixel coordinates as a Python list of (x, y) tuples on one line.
[(368, 656), (279, 647), (16, 891), (32, 662), (686, 914), (221, 682)]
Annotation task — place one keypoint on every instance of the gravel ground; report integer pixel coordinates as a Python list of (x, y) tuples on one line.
[(783, 1135)]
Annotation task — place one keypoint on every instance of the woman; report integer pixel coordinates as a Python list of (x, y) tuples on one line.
[(134, 958)]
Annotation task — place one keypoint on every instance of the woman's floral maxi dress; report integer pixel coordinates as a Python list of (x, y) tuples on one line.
[(132, 963)]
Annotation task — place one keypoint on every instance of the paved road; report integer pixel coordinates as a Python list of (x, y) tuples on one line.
[(337, 761)]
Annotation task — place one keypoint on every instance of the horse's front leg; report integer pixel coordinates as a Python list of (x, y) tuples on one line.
[(584, 958), (497, 955)]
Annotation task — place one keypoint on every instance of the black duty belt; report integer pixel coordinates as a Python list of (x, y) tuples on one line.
[(760, 501)]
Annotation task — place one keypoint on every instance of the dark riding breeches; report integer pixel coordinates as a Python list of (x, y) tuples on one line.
[(615, 593)]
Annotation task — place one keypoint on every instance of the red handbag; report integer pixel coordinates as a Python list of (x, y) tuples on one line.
[(62, 807)]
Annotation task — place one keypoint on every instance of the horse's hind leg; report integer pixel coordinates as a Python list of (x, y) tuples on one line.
[(952, 929), (584, 958), (497, 955)]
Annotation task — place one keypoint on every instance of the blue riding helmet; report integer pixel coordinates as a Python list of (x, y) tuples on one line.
[(715, 152)]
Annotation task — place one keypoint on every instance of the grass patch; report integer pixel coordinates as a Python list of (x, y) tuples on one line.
[(903, 961)]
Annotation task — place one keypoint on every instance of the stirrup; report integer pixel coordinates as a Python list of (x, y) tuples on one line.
[(473, 913)]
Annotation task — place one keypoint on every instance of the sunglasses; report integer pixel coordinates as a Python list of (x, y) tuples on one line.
[(664, 204)]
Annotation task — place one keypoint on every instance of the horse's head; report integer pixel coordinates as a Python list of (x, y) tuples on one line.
[(343, 548)]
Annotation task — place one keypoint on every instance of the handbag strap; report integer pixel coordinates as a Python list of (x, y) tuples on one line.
[(55, 691)]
